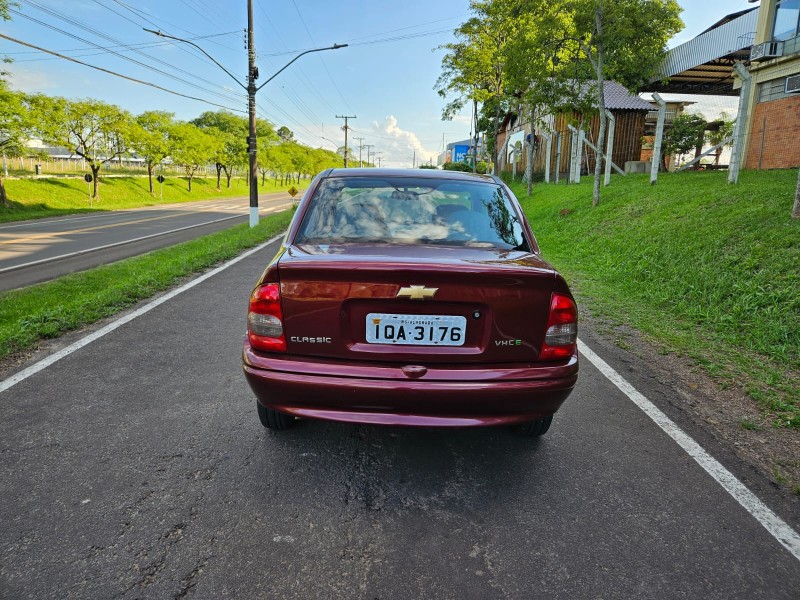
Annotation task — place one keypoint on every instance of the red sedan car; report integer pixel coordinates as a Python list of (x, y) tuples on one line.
[(410, 297)]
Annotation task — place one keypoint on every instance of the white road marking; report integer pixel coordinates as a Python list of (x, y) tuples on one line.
[(776, 526), (114, 245), (85, 341)]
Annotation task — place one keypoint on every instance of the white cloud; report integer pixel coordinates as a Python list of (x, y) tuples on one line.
[(399, 150), (30, 82)]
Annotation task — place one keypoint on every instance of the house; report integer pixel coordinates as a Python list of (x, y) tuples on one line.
[(629, 111), (772, 123)]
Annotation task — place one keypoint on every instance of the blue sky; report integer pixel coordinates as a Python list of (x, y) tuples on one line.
[(385, 77)]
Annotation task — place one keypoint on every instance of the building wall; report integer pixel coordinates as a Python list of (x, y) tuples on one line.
[(774, 134), (628, 134)]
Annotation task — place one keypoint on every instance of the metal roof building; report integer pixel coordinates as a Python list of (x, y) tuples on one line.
[(704, 65)]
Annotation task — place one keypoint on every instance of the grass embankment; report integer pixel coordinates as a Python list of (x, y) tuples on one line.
[(51, 309), (706, 269), (37, 198)]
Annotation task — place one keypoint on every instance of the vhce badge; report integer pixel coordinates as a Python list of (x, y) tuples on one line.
[(416, 292)]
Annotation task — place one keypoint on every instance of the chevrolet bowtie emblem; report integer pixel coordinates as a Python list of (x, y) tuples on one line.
[(417, 292)]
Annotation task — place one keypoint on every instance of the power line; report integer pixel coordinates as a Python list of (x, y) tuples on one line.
[(85, 64), (115, 53), (325, 66), (145, 17)]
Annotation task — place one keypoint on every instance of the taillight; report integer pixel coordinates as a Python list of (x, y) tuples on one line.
[(562, 329), (265, 319)]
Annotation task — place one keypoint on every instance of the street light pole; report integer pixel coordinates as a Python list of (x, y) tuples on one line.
[(251, 88)]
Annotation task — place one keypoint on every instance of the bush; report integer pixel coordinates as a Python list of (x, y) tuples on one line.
[(457, 166), (428, 167), (481, 167)]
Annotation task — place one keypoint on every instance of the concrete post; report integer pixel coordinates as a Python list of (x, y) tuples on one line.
[(609, 146), (573, 143), (579, 155), (547, 155), (742, 118), (662, 115), (559, 142)]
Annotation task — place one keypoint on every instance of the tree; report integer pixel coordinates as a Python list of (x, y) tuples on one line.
[(285, 134), (152, 139), (473, 68), (541, 67), (4, 16), (624, 41), (686, 134), (231, 130), (193, 148), (719, 134), (13, 125), (95, 131)]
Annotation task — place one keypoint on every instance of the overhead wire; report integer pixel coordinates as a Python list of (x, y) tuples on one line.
[(147, 18), (114, 52), (110, 72), (325, 66)]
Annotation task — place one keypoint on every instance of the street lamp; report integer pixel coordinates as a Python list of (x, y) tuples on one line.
[(251, 89), (335, 147)]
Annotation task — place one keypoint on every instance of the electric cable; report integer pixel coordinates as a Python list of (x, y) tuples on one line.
[(147, 83)]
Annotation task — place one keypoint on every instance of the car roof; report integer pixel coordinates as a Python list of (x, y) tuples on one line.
[(415, 173)]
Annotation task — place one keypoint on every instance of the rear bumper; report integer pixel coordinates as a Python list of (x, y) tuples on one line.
[(442, 397)]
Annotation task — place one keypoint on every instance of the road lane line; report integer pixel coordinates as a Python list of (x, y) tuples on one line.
[(776, 526), (85, 341), (139, 239), (56, 234), (114, 245)]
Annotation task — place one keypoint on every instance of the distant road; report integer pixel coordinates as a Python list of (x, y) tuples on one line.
[(40, 250)]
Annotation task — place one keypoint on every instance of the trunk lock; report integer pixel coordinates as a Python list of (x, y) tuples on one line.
[(414, 371)]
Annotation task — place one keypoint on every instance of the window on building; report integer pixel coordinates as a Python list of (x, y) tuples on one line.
[(787, 19)]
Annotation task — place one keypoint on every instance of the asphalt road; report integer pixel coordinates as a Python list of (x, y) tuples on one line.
[(136, 468), (42, 249)]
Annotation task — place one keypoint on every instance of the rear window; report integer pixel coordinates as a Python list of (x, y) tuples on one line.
[(406, 210)]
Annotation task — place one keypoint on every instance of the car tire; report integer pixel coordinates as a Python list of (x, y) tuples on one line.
[(274, 420), (536, 428)]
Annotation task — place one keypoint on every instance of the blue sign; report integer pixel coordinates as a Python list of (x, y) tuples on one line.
[(460, 153)]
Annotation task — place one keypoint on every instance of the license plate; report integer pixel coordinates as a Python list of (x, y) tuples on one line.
[(416, 330)]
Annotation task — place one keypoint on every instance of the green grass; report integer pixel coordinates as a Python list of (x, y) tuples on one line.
[(48, 310), (37, 198), (706, 269)]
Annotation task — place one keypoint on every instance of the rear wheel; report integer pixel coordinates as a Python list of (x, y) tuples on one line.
[(536, 428), (272, 419)]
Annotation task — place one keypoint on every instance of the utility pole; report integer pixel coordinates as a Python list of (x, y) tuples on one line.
[(368, 146), (360, 146), (252, 149), (346, 127), (378, 158), (414, 160)]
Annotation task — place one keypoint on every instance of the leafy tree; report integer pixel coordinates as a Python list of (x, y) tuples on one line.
[(13, 127), (231, 130), (473, 68), (625, 41), (193, 148), (687, 133), (152, 139), (718, 135), (95, 131), (285, 134), (5, 16)]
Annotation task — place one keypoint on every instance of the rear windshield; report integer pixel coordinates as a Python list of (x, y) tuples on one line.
[(406, 210)]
